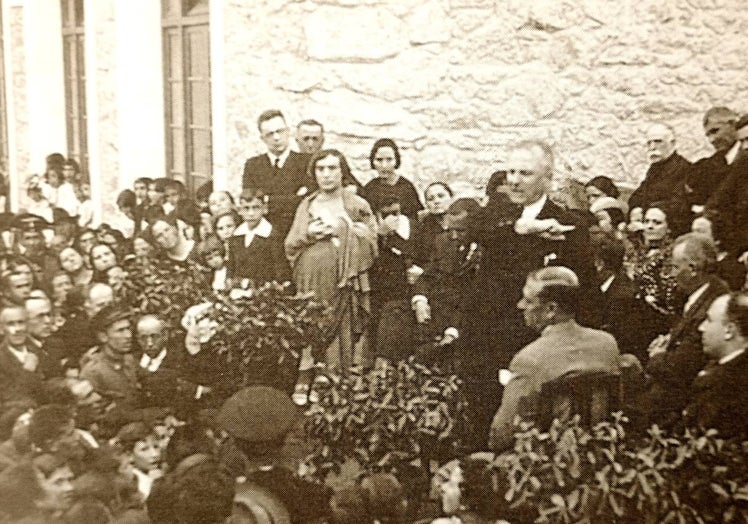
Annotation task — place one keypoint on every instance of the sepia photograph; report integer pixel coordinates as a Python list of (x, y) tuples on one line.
[(373, 261)]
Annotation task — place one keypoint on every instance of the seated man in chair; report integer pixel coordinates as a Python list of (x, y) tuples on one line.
[(549, 304)]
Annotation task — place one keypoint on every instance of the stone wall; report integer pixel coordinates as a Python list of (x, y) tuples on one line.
[(454, 81)]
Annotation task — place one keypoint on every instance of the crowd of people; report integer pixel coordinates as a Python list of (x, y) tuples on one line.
[(112, 415)]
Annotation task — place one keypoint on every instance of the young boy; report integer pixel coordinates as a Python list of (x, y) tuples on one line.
[(256, 251), (212, 255)]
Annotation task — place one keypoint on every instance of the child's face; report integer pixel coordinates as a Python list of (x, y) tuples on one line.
[(214, 260), (146, 454), (252, 211), (84, 192), (225, 227), (172, 196), (141, 191), (155, 197)]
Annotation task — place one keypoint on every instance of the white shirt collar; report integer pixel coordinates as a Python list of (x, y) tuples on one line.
[(693, 297), (152, 364), (533, 210), (605, 286), (281, 159), (732, 153), (20, 354), (219, 279), (731, 356), (403, 227), (263, 229)]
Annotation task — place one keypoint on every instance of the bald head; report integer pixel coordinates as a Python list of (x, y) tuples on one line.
[(98, 296), (660, 142), (151, 334)]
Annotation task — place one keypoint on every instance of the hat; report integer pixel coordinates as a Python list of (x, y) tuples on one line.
[(603, 203), (108, 315), (258, 414), (29, 222)]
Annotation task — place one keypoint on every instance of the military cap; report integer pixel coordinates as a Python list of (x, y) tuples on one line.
[(108, 315), (29, 222), (258, 414)]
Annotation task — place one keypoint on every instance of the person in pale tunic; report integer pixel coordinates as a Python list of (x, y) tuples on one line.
[(331, 245)]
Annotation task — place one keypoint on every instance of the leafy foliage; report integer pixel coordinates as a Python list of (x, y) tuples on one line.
[(162, 287), (261, 332), (569, 474), (384, 418)]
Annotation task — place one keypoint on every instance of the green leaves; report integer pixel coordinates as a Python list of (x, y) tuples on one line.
[(385, 417)]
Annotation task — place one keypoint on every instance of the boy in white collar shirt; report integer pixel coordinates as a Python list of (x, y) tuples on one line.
[(256, 250)]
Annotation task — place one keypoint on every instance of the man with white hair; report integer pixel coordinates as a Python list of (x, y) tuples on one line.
[(549, 301), (665, 180)]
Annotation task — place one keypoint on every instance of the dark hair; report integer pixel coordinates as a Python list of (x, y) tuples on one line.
[(387, 201), (323, 153), (699, 249), (77, 241), (72, 163), (604, 184), (269, 115), (611, 251), (48, 423), (126, 198), (251, 193), (204, 191), (159, 184), (464, 204), (724, 113), (350, 505), (737, 312), (210, 244), (437, 183), (231, 198), (202, 494), (229, 213), (384, 142), (662, 205), (311, 122), (616, 215), (175, 184), (55, 160), (190, 439), (143, 180)]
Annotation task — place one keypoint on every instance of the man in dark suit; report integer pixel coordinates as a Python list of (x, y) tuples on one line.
[(549, 303), (708, 173), (665, 180), (20, 374), (519, 236), (676, 358), (727, 209), (613, 306), (280, 173), (720, 391)]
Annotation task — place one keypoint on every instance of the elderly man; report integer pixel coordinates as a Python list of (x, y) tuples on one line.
[(517, 237), (112, 369), (40, 324), (676, 358), (310, 136), (20, 374), (549, 301), (707, 174), (665, 180), (720, 391)]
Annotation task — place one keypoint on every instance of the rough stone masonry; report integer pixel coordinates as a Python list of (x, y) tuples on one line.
[(454, 81)]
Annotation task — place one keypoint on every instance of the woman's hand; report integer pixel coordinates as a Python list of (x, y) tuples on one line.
[(318, 229)]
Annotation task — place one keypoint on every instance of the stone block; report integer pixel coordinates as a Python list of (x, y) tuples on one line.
[(355, 34), (429, 24)]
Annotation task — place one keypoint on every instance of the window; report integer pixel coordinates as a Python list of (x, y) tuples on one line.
[(186, 47), (75, 81)]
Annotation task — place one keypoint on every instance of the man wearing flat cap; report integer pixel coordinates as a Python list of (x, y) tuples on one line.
[(31, 245), (112, 369), (258, 418)]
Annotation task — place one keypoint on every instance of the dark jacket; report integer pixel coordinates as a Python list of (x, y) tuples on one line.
[(17, 383), (672, 372), (720, 398), (728, 208), (262, 261), (281, 184), (705, 177), (665, 181)]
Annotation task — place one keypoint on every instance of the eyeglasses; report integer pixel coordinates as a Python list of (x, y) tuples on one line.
[(279, 132)]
